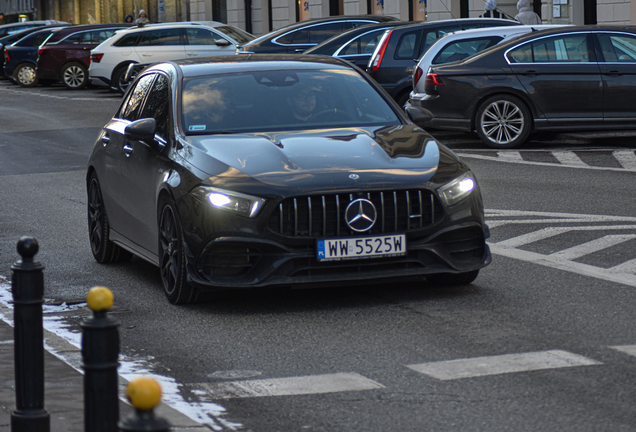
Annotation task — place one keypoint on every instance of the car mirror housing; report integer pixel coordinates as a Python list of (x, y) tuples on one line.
[(222, 42), (142, 130)]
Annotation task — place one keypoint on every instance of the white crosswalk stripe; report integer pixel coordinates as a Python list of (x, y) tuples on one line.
[(501, 364), (569, 158), (626, 158), (592, 246)]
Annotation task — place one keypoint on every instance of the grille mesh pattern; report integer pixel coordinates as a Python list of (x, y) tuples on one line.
[(323, 215)]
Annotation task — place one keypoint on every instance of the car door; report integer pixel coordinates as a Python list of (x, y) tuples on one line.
[(561, 76), (360, 49), (158, 45), (144, 164), (202, 42), (618, 71)]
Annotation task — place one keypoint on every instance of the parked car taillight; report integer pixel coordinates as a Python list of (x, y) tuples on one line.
[(6, 56), (96, 58), (433, 79), (418, 74), (377, 59), (40, 50)]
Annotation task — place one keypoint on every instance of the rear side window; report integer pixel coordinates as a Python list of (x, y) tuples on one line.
[(298, 36), (99, 36), (431, 36), (161, 37), (27, 41), (408, 46), (569, 49), (365, 44), (320, 33), (127, 41), (461, 49)]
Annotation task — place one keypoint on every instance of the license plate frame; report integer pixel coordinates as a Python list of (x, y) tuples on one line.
[(355, 248)]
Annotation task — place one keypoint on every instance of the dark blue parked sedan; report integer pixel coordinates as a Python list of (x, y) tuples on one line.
[(20, 58)]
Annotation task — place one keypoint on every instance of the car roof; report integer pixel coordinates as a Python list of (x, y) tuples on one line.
[(490, 31), (253, 62), (32, 23), (274, 33), (81, 27), (460, 21)]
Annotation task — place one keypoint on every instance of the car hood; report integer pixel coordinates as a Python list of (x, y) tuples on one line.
[(403, 154)]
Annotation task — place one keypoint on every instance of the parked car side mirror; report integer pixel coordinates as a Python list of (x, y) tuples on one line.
[(222, 42), (142, 130)]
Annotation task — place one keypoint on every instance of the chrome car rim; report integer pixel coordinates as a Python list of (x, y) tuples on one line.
[(26, 75), (502, 122), (169, 243), (74, 76), (95, 212)]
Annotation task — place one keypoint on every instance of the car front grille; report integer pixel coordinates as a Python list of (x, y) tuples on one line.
[(323, 215)]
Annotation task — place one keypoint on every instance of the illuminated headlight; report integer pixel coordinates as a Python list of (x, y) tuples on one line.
[(235, 202), (458, 189)]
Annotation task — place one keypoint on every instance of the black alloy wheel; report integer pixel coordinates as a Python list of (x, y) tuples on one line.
[(503, 121), (451, 279), (25, 75), (104, 250), (74, 76), (119, 83), (172, 261)]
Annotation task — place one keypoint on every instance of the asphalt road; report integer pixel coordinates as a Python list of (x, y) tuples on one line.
[(542, 340)]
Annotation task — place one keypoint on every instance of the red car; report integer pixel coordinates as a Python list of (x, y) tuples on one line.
[(65, 55)]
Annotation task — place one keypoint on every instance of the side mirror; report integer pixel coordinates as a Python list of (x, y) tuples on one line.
[(142, 130), (222, 42), (416, 115)]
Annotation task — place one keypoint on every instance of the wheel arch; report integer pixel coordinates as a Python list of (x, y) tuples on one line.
[(124, 64), (503, 92)]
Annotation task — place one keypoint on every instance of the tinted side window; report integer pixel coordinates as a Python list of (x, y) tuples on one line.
[(73, 39), (39, 39), (26, 41), (158, 105), (323, 32), (162, 37), (365, 44), (555, 49), (130, 109), (408, 46), (99, 36), (201, 37), (618, 48), (300, 36), (127, 41), (462, 49), (286, 39)]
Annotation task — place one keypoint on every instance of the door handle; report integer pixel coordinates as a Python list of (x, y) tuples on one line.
[(529, 73), (193, 54), (105, 140), (147, 55), (613, 73), (128, 150)]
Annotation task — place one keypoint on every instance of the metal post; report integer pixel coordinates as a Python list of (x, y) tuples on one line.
[(100, 351), (28, 291), (144, 394)]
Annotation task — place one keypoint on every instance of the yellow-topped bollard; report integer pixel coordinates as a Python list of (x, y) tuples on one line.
[(100, 299), (144, 394)]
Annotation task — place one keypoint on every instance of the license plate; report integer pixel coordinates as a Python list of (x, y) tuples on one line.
[(360, 247)]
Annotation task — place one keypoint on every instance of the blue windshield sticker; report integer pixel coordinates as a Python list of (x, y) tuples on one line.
[(197, 128)]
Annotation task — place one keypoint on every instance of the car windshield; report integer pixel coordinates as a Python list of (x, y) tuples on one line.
[(235, 33), (281, 100)]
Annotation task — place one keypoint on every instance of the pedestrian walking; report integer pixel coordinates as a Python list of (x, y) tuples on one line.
[(526, 15), (142, 18), (491, 10)]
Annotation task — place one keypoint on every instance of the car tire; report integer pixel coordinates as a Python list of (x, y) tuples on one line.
[(503, 121), (402, 99), (25, 75), (74, 76), (118, 82), (451, 279), (104, 250), (172, 260)]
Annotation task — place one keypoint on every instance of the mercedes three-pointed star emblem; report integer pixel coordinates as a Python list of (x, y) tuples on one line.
[(360, 215)]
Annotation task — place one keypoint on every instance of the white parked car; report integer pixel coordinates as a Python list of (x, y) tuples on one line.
[(154, 43), (461, 44)]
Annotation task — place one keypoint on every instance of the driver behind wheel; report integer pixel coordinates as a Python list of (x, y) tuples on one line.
[(302, 102)]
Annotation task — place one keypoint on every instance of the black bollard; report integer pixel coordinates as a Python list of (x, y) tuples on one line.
[(27, 285), (100, 352), (145, 395)]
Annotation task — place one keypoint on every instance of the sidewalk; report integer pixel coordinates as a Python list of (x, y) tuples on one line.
[(64, 390)]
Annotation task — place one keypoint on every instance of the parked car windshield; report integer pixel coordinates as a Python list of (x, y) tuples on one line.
[(235, 33), (281, 100)]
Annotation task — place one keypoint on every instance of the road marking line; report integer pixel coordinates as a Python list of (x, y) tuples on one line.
[(627, 349), (565, 265), (302, 385), (495, 365), (547, 164), (553, 231), (626, 158), (596, 218), (6, 342), (592, 246), (626, 267), (569, 158), (510, 156)]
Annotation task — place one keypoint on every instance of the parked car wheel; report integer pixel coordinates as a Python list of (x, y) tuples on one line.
[(74, 76), (503, 121), (104, 250), (450, 279), (119, 83), (25, 75), (171, 258)]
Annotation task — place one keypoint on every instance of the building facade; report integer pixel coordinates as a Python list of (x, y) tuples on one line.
[(262, 16)]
